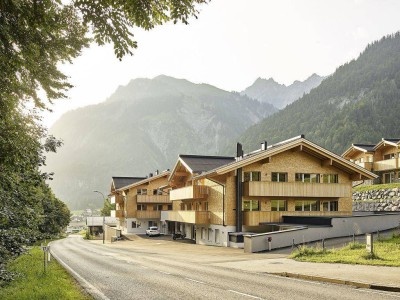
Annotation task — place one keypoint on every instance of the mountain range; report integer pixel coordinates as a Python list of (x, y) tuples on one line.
[(142, 127), (280, 95), (359, 103)]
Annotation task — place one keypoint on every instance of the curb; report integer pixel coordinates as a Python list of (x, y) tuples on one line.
[(363, 285)]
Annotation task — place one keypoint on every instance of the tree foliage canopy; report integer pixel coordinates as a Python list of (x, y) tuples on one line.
[(36, 36)]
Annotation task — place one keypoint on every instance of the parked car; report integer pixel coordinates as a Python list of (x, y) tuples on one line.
[(153, 231)]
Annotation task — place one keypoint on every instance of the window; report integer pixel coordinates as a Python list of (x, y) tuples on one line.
[(206, 206), (157, 207), (250, 205), (141, 207), (306, 205), (189, 206), (330, 178), (306, 177), (169, 206), (330, 206), (157, 192), (252, 176), (279, 177), (134, 224), (278, 205), (142, 191), (197, 206), (389, 156)]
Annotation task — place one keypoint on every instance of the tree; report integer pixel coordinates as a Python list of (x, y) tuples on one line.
[(107, 208), (35, 37)]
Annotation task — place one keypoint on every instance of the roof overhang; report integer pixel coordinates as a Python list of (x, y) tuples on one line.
[(179, 162), (384, 143), (146, 180), (303, 145)]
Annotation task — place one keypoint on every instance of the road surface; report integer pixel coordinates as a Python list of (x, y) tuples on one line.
[(160, 270)]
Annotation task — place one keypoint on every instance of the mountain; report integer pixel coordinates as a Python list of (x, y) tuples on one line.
[(280, 95), (359, 103), (143, 127)]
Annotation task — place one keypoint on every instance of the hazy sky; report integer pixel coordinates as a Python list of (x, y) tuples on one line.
[(233, 42)]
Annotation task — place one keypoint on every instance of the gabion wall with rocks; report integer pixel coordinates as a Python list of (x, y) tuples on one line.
[(377, 200)]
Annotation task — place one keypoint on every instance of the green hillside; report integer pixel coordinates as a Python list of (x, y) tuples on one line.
[(359, 103), (143, 127)]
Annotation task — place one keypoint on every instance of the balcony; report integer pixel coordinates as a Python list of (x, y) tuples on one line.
[(254, 218), (153, 199), (189, 192), (119, 214), (384, 165), (119, 199), (148, 214), (187, 216), (296, 189), (365, 165)]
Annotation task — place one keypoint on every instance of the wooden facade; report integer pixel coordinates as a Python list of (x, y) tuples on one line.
[(382, 159)]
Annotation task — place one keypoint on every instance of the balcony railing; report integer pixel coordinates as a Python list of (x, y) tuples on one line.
[(148, 214), (153, 199), (296, 189), (187, 216), (365, 165), (189, 192), (383, 165), (254, 218)]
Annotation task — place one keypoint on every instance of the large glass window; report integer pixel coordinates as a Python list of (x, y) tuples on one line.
[(251, 176), (307, 177), (142, 191), (250, 205), (330, 206), (141, 207), (157, 207), (278, 205), (389, 156), (330, 178), (279, 177), (306, 205)]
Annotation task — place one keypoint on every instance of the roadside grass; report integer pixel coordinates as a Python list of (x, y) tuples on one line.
[(33, 283), (376, 187), (386, 253)]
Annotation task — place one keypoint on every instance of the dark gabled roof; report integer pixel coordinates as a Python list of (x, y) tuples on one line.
[(202, 163), (396, 141), (366, 147), (120, 182)]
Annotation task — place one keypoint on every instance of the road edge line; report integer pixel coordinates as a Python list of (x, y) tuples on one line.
[(91, 289)]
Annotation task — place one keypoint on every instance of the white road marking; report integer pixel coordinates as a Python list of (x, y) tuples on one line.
[(190, 279), (88, 286), (243, 294)]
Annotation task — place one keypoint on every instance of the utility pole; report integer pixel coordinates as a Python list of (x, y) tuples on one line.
[(104, 217)]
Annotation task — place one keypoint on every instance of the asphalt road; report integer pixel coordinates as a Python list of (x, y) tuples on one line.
[(168, 273)]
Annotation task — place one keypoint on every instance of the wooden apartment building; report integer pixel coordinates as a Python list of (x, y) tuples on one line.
[(215, 197), (139, 201), (381, 158)]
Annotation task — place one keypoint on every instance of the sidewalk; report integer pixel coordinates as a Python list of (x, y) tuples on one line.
[(374, 277)]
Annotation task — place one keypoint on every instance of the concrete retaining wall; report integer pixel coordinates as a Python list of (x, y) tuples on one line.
[(111, 232), (341, 226)]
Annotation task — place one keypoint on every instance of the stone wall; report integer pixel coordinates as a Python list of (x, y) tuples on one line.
[(377, 200)]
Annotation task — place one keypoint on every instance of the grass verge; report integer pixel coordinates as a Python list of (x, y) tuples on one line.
[(386, 253), (33, 283), (364, 188)]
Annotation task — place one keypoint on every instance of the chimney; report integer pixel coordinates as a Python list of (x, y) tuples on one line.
[(239, 150), (150, 175), (264, 145), (156, 173)]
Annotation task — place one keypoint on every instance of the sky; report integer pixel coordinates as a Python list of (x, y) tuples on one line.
[(232, 43)]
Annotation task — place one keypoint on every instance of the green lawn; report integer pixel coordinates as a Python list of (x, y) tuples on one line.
[(364, 188), (386, 253), (34, 284)]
